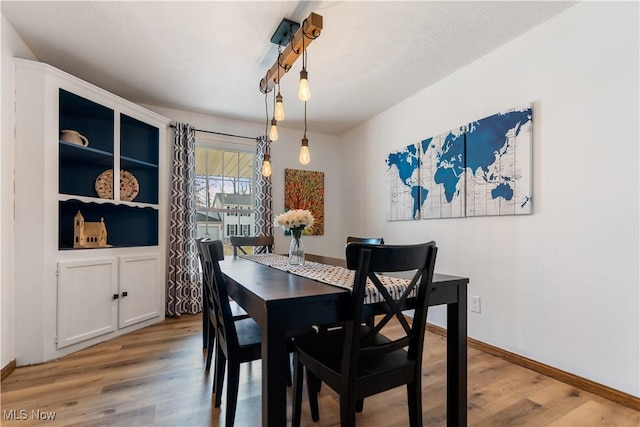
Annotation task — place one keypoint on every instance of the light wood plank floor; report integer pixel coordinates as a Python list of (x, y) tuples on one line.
[(155, 377)]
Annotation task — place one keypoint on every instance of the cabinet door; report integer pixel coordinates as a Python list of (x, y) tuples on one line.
[(86, 304), (138, 289)]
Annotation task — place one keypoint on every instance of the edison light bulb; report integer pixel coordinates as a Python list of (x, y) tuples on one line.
[(304, 93), (273, 133), (305, 157), (278, 114), (266, 165)]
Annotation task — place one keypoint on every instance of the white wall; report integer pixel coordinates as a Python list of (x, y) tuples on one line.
[(560, 286), (12, 46), (284, 154)]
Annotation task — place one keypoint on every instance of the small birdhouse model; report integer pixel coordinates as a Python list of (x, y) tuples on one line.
[(89, 234)]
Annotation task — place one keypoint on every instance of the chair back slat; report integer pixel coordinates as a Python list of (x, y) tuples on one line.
[(370, 261), (262, 244), (368, 240), (205, 273), (213, 251)]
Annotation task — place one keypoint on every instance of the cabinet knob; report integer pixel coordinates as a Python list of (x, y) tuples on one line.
[(116, 296), (124, 294)]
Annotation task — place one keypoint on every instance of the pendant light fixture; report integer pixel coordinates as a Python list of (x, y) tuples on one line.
[(295, 38), (304, 92), (278, 112), (305, 157), (273, 132), (266, 159), (266, 164)]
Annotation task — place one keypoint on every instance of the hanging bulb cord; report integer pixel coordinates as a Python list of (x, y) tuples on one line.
[(304, 51), (305, 119), (266, 109), (313, 36)]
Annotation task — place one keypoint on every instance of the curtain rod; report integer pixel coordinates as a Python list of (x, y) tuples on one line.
[(220, 133)]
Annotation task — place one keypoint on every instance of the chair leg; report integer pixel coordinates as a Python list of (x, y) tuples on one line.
[(289, 382), (347, 411), (221, 363), (298, 370), (205, 329), (233, 379), (359, 405), (414, 400), (210, 348), (370, 322), (312, 390)]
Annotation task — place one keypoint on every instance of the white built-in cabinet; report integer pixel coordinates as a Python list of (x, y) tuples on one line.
[(70, 296)]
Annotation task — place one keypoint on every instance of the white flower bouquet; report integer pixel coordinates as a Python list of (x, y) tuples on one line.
[(295, 220)]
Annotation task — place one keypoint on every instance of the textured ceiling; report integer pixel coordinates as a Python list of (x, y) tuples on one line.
[(209, 57)]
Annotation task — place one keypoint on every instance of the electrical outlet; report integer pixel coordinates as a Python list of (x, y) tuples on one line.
[(475, 303)]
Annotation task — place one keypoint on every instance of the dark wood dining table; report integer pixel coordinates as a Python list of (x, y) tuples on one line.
[(280, 301)]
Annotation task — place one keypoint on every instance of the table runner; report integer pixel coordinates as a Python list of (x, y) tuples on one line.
[(333, 275)]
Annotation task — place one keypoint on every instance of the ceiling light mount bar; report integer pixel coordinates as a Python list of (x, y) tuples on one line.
[(310, 28)]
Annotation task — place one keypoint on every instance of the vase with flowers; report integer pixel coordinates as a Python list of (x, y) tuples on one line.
[(295, 221)]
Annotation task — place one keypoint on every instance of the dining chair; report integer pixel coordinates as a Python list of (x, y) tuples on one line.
[(368, 240), (205, 321), (237, 341), (261, 244), (358, 361), (208, 340)]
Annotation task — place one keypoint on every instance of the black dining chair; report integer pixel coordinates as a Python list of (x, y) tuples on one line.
[(368, 240), (237, 341), (205, 321), (208, 340), (358, 361), (261, 244)]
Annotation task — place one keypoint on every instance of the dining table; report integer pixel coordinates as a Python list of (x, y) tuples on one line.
[(282, 301)]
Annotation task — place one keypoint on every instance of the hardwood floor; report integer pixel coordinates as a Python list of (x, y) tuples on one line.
[(155, 377)]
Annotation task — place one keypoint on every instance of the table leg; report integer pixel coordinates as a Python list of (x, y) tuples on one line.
[(457, 360), (274, 374)]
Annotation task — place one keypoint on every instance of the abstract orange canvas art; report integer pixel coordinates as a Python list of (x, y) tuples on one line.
[(305, 190)]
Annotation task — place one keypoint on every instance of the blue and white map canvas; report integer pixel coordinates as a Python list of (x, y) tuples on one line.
[(442, 175), (403, 178), (498, 172), (484, 169)]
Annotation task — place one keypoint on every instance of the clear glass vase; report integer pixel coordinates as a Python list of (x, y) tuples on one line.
[(296, 251)]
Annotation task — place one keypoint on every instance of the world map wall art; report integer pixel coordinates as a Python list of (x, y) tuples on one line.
[(480, 169)]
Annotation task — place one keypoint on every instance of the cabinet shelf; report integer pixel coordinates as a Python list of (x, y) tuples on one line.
[(73, 153), (127, 226), (129, 163), (98, 200)]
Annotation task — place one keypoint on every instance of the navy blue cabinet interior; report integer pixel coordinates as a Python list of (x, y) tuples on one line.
[(139, 155), (80, 166), (126, 226)]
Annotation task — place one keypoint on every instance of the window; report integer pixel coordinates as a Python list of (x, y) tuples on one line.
[(225, 188)]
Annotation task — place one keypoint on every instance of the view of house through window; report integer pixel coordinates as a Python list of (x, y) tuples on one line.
[(224, 193)]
